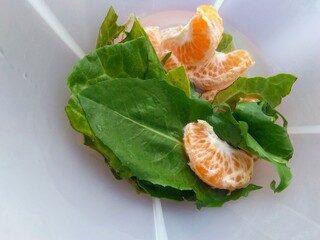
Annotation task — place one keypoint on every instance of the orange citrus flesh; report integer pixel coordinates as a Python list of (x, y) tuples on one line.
[(196, 42), (214, 161), (221, 71), (194, 46)]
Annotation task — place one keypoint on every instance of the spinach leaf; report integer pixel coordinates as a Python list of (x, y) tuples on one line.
[(109, 29), (226, 44), (178, 77), (271, 89)]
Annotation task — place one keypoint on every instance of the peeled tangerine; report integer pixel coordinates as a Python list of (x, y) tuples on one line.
[(194, 46), (214, 161)]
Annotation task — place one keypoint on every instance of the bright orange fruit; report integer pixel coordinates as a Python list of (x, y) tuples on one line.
[(197, 41), (214, 161), (221, 70)]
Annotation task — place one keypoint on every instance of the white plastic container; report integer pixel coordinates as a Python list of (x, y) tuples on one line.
[(53, 187)]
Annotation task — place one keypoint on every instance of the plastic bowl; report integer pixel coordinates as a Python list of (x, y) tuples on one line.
[(53, 187)]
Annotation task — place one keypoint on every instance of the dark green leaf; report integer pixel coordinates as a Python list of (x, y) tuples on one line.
[(273, 138)]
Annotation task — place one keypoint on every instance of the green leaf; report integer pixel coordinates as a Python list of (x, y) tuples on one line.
[(271, 89), (128, 59), (178, 77), (109, 29), (155, 68), (273, 138), (226, 44)]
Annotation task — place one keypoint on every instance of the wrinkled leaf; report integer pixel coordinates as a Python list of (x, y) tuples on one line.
[(271, 89), (128, 59)]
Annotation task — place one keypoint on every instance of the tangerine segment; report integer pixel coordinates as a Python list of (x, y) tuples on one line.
[(212, 14), (221, 70), (197, 41), (214, 161)]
